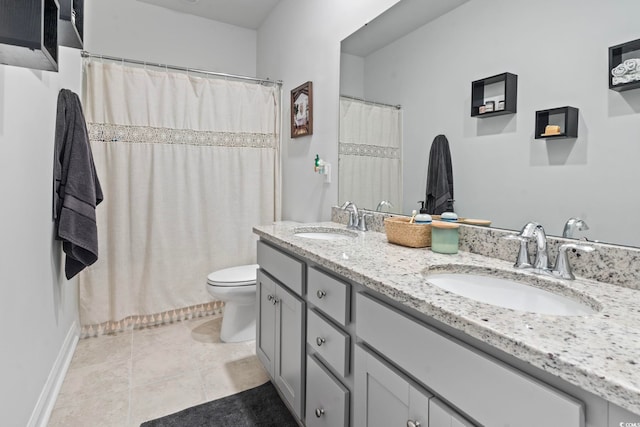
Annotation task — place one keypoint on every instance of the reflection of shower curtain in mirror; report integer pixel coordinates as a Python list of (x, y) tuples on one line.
[(370, 154), (188, 165)]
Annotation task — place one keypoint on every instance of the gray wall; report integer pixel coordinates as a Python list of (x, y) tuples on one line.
[(300, 41), (559, 50), (38, 306)]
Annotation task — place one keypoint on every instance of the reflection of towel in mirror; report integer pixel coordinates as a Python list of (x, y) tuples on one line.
[(76, 185), (439, 178)]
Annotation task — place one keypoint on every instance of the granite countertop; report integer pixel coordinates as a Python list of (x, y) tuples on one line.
[(599, 353)]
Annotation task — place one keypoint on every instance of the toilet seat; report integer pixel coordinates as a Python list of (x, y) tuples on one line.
[(244, 275)]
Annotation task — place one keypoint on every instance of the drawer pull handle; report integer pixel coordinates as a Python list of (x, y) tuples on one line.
[(319, 412), (275, 301), (321, 294), (269, 297), (412, 423), (320, 341)]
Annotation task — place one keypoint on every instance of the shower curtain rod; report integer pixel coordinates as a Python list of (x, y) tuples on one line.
[(86, 54), (397, 107)]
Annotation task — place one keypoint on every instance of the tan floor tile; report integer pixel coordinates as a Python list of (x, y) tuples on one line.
[(108, 410), (96, 350), (163, 398), (233, 377), (160, 365), (207, 356), (94, 381), (160, 338)]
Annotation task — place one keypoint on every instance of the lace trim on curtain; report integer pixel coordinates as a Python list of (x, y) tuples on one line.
[(143, 321), (369, 150), (103, 132)]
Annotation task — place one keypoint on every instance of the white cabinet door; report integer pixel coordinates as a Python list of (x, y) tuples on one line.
[(266, 321), (384, 397), (289, 342)]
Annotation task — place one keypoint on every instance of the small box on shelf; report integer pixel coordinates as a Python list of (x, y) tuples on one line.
[(561, 122), (494, 96), (624, 66)]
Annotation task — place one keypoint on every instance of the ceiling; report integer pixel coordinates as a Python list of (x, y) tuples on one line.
[(385, 29), (242, 13)]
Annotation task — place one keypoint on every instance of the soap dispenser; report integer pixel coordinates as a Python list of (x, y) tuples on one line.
[(444, 237), (423, 210)]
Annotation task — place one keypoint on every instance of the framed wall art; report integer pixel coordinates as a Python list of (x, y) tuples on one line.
[(302, 110)]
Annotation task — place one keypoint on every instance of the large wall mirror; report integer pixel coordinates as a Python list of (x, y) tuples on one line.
[(406, 77)]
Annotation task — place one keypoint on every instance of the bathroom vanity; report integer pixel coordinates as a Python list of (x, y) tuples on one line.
[(353, 334)]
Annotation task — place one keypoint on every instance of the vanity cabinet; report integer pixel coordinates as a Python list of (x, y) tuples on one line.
[(342, 354), (487, 390), (280, 325)]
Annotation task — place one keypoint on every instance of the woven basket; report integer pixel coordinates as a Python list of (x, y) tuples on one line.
[(400, 232)]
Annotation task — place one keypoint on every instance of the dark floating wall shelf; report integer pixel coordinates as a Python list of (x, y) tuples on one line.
[(29, 33), (619, 56), (486, 94), (71, 23), (566, 118)]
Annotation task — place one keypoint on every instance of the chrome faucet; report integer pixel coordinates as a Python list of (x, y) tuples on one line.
[(383, 204), (572, 225), (353, 215), (357, 220), (561, 269), (535, 230)]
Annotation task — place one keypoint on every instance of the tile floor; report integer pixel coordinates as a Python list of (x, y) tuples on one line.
[(125, 379)]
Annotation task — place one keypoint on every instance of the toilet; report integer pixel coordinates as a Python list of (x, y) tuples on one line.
[(236, 286)]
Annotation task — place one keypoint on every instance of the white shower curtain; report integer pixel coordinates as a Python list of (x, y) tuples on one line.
[(370, 154), (188, 166)]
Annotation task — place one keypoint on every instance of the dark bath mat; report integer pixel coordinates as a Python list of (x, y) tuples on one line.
[(260, 406)]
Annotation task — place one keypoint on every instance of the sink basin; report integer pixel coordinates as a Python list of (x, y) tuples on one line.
[(324, 233), (509, 293)]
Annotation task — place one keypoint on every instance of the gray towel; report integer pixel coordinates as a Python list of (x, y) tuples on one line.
[(76, 185), (439, 178)]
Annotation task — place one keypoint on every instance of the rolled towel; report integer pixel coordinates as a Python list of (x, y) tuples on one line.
[(619, 71), (616, 81), (630, 64)]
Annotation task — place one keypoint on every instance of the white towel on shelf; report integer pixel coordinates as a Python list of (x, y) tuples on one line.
[(630, 64), (619, 71)]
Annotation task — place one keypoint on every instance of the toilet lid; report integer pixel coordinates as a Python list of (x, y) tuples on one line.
[(234, 276)]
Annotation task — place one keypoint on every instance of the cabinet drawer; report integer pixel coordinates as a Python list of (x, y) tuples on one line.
[(330, 295), (283, 267), (330, 342), (486, 389), (327, 399)]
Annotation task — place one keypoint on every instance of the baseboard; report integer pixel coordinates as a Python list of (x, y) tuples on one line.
[(46, 401)]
